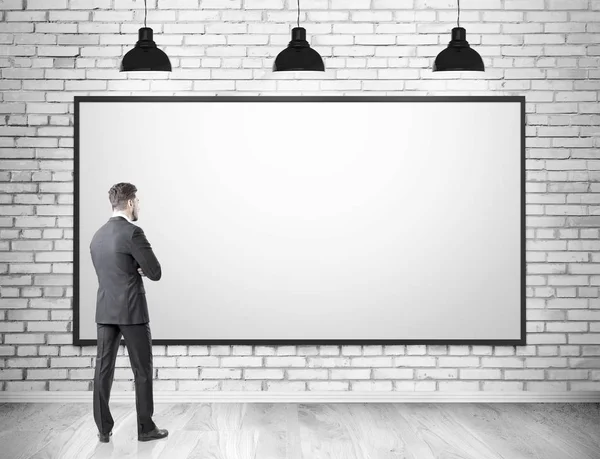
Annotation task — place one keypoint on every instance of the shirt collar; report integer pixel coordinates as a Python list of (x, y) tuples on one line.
[(119, 213)]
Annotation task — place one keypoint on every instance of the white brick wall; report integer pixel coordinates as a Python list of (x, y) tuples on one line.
[(547, 50)]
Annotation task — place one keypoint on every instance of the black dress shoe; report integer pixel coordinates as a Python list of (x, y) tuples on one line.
[(104, 437), (153, 434)]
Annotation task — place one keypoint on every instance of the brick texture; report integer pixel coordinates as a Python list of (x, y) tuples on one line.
[(547, 50)]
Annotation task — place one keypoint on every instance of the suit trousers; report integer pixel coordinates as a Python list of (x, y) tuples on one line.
[(138, 340)]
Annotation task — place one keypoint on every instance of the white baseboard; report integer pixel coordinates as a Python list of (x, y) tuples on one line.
[(309, 397)]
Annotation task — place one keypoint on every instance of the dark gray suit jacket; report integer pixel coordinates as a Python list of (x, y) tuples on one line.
[(118, 249)]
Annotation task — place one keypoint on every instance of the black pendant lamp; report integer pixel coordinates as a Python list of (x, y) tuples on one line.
[(298, 56), (145, 56), (458, 56)]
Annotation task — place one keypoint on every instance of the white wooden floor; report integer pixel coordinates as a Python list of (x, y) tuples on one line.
[(309, 431)]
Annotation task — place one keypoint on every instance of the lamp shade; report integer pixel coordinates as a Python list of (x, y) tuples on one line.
[(458, 55), (145, 56), (298, 55)]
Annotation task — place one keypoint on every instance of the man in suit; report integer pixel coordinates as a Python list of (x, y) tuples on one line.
[(121, 255)]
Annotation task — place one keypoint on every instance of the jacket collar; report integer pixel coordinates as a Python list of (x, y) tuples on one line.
[(117, 217), (121, 214)]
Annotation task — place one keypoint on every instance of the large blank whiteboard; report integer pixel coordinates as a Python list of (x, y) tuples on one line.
[(313, 219)]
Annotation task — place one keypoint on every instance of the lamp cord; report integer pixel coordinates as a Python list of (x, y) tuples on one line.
[(145, 13), (298, 13), (458, 18)]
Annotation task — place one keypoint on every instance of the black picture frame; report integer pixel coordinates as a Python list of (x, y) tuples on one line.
[(77, 341)]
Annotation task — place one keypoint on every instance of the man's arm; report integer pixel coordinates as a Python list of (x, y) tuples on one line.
[(143, 254)]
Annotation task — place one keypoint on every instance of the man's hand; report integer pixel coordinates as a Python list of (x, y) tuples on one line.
[(141, 272)]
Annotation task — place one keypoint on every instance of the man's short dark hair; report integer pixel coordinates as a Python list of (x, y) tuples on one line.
[(120, 193)]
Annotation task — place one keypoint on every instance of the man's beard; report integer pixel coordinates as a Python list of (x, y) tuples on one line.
[(134, 216)]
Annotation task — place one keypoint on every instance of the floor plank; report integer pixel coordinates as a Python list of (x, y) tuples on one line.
[(309, 431)]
